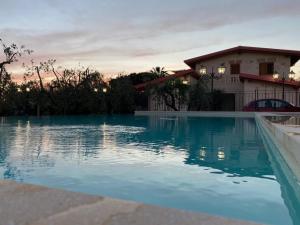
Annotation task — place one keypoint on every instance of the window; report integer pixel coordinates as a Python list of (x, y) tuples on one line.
[(235, 68), (260, 104), (266, 68), (203, 70), (271, 104), (280, 104)]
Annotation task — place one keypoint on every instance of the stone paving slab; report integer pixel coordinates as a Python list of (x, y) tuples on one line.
[(23, 204)]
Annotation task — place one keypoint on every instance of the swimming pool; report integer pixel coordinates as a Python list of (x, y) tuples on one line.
[(216, 165)]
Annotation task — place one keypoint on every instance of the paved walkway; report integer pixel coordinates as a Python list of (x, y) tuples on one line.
[(22, 204)]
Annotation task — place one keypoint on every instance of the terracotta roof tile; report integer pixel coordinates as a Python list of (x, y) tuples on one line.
[(177, 74), (295, 55), (269, 79)]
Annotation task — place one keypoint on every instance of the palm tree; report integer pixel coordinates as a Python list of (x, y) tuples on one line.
[(159, 71)]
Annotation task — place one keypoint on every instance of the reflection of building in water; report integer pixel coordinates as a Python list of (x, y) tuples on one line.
[(231, 145), (236, 150)]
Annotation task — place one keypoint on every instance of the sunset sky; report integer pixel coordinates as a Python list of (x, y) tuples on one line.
[(122, 36)]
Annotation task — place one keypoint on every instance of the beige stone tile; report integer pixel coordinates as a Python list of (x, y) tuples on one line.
[(22, 204), (92, 214), (151, 215)]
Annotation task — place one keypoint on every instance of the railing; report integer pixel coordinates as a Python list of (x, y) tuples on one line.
[(243, 98), (235, 101)]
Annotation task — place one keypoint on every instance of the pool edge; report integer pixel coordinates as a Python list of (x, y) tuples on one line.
[(37, 205), (196, 114), (287, 146)]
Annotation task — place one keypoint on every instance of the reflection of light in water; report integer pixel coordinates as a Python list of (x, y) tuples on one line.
[(221, 153), (110, 134), (202, 153), (108, 140)]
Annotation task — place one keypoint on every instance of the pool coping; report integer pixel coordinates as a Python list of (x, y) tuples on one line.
[(237, 114), (287, 144), (196, 114), (25, 204)]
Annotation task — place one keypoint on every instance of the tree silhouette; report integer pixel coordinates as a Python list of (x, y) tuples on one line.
[(159, 72)]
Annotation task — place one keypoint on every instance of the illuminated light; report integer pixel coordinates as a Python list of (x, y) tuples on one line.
[(221, 153), (27, 89), (203, 71), (95, 89), (202, 153), (221, 70), (275, 76), (292, 75), (19, 90), (104, 90), (185, 82)]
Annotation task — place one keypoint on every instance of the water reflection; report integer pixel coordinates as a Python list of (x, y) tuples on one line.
[(233, 144), (189, 163)]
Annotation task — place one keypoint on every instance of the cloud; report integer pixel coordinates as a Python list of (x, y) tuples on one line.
[(118, 32)]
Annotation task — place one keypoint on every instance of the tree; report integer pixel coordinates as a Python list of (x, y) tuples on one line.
[(122, 95), (79, 91), (139, 78), (159, 72), (72, 91), (41, 97), (11, 54), (173, 93), (199, 99), (216, 100)]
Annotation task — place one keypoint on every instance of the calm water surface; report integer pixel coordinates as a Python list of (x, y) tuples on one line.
[(214, 165)]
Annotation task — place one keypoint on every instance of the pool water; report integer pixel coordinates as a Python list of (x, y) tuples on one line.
[(215, 165)]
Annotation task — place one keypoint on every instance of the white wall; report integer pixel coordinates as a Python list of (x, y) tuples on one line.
[(232, 84), (249, 64)]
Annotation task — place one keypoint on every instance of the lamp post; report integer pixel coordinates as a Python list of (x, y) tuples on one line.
[(283, 78), (213, 75)]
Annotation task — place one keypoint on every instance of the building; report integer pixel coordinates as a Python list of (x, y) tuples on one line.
[(249, 75)]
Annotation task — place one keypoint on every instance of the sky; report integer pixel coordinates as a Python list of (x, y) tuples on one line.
[(123, 36)]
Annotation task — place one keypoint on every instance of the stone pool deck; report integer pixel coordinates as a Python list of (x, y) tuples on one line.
[(23, 204)]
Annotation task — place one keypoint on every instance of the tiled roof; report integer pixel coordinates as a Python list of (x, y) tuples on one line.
[(177, 74), (269, 79), (295, 55)]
